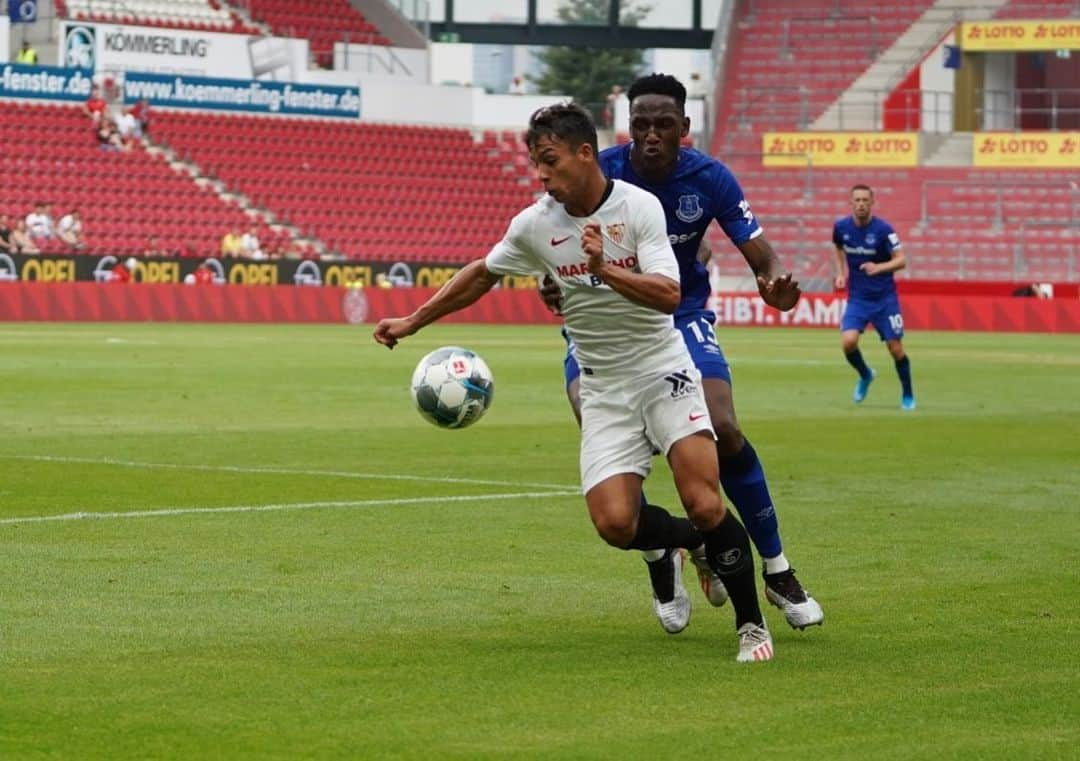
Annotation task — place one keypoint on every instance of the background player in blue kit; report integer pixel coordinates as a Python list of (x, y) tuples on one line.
[(867, 254), (695, 189)]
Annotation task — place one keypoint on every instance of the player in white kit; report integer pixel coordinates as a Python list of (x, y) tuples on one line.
[(605, 243)]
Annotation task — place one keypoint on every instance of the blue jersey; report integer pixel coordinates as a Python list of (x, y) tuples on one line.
[(700, 190), (873, 242)]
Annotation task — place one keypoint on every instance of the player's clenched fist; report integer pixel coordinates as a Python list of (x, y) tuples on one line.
[(592, 243), (390, 329)]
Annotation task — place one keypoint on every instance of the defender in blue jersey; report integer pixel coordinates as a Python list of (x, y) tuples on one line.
[(694, 190), (867, 254)]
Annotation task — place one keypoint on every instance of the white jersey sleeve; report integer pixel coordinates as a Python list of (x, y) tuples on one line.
[(514, 254), (655, 255)]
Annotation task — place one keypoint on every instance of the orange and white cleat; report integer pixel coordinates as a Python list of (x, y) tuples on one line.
[(714, 589)]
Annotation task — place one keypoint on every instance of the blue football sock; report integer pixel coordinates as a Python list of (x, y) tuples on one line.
[(743, 480), (855, 360), (903, 369)]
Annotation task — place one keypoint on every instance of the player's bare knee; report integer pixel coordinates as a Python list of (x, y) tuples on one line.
[(704, 508), (849, 344), (615, 530)]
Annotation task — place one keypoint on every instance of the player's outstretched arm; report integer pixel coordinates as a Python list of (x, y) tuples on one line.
[(777, 288), (464, 288), (655, 291)]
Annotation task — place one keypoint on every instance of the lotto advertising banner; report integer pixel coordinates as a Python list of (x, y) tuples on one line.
[(989, 36), (114, 47), (1050, 150), (301, 272), (840, 149), (47, 82), (182, 91)]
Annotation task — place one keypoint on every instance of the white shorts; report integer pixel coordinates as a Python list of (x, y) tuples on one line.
[(623, 423)]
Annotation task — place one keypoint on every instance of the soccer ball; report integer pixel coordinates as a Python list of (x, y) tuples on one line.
[(452, 387)]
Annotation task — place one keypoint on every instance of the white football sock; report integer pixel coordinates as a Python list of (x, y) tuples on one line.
[(777, 564)]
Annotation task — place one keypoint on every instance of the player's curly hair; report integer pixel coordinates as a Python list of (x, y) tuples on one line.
[(659, 84), (566, 122)]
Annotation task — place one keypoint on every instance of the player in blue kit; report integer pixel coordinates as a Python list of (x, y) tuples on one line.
[(867, 254), (694, 189)]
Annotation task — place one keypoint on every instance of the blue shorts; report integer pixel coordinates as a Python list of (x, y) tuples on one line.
[(700, 338), (883, 313)]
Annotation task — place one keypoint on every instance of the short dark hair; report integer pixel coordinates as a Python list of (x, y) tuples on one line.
[(659, 84), (566, 122), (862, 186)]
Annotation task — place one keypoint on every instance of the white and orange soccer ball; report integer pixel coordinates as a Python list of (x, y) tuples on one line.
[(452, 387)]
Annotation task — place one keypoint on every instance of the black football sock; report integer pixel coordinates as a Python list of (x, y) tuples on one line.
[(855, 359), (903, 369), (657, 529), (728, 550)]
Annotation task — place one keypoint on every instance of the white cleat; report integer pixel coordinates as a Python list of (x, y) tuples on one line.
[(755, 643), (711, 585), (785, 592), (674, 615)]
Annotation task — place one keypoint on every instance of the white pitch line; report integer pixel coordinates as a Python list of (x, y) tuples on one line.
[(282, 471), (85, 516)]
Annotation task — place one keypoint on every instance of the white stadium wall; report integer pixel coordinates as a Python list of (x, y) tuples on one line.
[(383, 62)]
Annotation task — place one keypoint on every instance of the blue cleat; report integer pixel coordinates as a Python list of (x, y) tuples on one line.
[(907, 402), (862, 387)]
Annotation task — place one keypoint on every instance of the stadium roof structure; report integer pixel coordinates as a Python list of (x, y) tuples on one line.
[(609, 35)]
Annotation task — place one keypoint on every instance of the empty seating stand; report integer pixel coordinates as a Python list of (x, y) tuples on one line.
[(202, 15), (367, 191), (321, 22), (50, 154)]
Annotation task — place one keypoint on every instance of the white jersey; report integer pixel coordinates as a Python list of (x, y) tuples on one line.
[(612, 334)]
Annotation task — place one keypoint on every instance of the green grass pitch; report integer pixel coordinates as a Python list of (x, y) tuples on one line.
[(287, 562)]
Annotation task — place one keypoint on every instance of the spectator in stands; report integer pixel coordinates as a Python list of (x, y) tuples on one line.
[(121, 272), (21, 242), (232, 243), (204, 275), (127, 126), (108, 137), (70, 230), (517, 85), (610, 105), (1035, 291), (95, 106), (5, 234), (695, 88), (141, 112), (251, 246), (154, 247), (27, 55), (39, 223)]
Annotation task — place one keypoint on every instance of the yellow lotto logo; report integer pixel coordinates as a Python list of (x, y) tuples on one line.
[(1052, 150), (840, 149), (1060, 34)]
